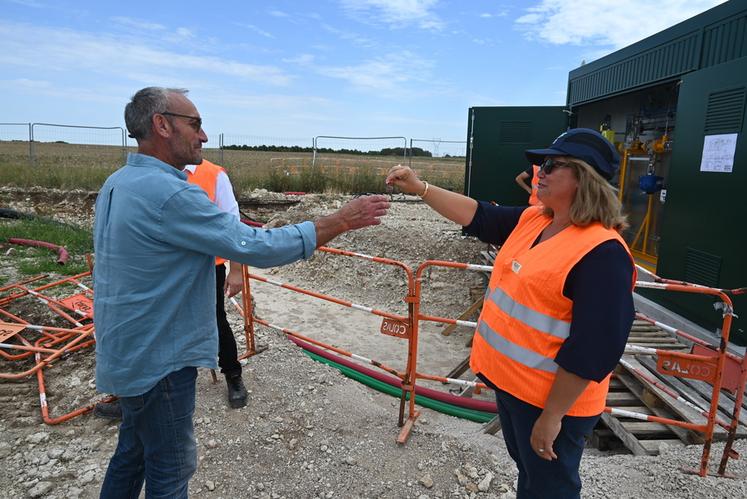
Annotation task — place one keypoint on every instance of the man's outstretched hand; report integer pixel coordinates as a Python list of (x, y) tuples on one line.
[(358, 213)]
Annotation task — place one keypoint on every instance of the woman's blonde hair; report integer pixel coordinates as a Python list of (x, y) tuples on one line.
[(595, 201)]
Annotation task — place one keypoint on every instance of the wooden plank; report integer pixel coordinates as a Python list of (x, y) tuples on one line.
[(621, 399), (641, 409), (460, 369), (653, 447), (637, 388), (645, 428), (726, 402), (650, 339), (660, 346), (616, 385), (628, 439), (600, 438), (465, 316), (492, 426), (635, 327), (682, 411), (651, 334)]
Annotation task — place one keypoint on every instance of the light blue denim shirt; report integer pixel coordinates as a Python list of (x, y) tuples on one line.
[(155, 238)]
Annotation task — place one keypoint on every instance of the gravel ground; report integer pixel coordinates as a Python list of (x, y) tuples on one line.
[(308, 431)]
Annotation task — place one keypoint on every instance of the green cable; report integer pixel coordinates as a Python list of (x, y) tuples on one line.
[(436, 405)]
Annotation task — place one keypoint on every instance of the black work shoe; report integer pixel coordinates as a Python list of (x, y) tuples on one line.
[(108, 410), (236, 391)]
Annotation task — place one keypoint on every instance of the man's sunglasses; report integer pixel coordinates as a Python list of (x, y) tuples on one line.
[(550, 164), (195, 121)]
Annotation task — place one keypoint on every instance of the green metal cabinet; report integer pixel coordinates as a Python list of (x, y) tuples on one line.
[(704, 239), (496, 140)]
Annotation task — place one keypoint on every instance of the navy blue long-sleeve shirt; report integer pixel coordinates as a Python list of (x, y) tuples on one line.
[(599, 286)]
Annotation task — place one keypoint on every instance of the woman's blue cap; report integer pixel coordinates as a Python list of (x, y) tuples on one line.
[(584, 144)]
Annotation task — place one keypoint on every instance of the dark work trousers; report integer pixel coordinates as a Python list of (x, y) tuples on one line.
[(540, 479), (227, 351)]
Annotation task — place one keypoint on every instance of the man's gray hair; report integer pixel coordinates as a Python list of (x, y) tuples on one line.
[(143, 105)]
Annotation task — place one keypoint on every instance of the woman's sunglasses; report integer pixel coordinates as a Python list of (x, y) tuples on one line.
[(550, 164)]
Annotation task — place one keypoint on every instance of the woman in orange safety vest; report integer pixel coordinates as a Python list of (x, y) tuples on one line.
[(559, 305), (530, 174)]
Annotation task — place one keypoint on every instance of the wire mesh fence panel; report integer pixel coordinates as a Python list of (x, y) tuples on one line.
[(437, 148), (14, 143), (251, 154), (356, 164), (439, 161), (77, 145), (213, 154), (350, 153)]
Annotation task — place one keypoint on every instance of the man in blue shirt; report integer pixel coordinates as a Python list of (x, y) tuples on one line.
[(155, 238)]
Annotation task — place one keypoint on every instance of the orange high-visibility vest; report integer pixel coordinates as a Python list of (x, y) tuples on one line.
[(206, 178), (533, 199), (526, 318)]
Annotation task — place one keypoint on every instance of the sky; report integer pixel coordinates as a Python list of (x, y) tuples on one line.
[(292, 70)]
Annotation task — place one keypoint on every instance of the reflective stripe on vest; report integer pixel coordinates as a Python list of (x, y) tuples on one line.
[(515, 352), (539, 321), (206, 178)]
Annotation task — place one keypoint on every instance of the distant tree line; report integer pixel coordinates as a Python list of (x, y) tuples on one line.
[(387, 151)]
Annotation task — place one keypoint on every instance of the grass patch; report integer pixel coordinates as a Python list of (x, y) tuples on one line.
[(31, 260), (88, 178)]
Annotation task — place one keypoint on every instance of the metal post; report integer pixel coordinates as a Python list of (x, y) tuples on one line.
[(31, 138), (124, 146), (31, 144), (220, 146), (470, 145)]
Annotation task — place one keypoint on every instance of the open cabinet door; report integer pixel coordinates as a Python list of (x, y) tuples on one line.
[(496, 140)]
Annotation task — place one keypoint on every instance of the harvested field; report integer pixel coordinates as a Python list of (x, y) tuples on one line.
[(85, 166)]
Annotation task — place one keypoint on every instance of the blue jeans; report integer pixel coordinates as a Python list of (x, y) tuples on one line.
[(540, 479), (156, 441)]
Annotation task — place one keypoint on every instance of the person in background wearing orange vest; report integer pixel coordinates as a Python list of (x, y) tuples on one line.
[(213, 179), (559, 306), (530, 186)]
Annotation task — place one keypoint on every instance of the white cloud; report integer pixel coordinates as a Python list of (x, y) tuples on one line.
[(26, 84), (490, 15), (130, 22), (278, 13), (606, 22), (386, 75), (275, 102), (301, 60), (62, 50), (256, 29), (350, 36), (28, 3), (395, 13), (184, 33)]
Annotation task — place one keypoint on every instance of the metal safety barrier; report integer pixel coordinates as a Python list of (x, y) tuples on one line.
[(708, 365), (37, 347), (20, 340)]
